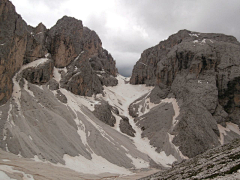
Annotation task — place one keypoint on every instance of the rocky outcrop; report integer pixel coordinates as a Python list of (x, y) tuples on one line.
[(36, 44), (19, 43), (103, 112), (13, 41), (200, 70), (125, 127), (219, 163), (40, 74), (186, 50), (81, 50), (67, 41)]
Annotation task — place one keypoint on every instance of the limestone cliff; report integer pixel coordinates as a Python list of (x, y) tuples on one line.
[(200, 70), (68, 44)]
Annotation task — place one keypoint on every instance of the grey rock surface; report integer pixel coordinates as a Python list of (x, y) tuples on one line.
[(125, 127), (61, 97), (22, 44), (53, 84), (45, 125), (218, 163), (103, 112), (200, 70), (40, 74)]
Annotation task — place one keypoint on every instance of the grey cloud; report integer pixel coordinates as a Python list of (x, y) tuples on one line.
[(53, 4), (171, 16), (125, 71)]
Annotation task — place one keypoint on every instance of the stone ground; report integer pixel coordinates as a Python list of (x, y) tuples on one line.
[(19, 168), (218, 163)]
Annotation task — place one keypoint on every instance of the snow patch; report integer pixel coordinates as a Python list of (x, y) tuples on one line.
[(233, 127), (4, 176), (30, 137), (9, 169), (126, 94), (47, 55), (5, 160), (196, 35), (6, 147), (96, 165), (16, 87), (143, 63), (223, 133), (125, 148), (138, 163), (26, 88), (143, 145), (117, 124), (229, 127)]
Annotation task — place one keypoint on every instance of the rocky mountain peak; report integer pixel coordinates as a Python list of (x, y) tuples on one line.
[(200, 70), (41, 28), (66, 41)]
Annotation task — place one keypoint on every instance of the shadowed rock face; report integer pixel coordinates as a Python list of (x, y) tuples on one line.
[(13, 40), (65, 40), (40, 74), (201, 70)]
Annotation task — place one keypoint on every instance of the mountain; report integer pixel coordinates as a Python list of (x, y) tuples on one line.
[(200, 73), (65, 108)]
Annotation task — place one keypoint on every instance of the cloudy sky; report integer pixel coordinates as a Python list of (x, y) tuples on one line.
[(127, 27)]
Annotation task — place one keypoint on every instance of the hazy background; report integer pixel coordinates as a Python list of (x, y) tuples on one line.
[(127, 27)]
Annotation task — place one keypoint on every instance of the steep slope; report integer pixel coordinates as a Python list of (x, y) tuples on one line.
[(199, 72), (45, 118), (68, 42), (64, 104), (218, 163), (16, 46)]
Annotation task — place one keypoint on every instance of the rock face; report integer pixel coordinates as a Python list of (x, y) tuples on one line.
[(40, 74), (200, 70), (103, 112), (13, 41), (219, 163), (68, 43)]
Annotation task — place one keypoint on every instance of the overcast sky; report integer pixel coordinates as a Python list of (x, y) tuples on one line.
[(127, 27)]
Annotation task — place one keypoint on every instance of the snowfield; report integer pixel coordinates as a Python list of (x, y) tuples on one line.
[(68, 136)]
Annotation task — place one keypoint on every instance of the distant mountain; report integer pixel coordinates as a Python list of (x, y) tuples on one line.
[(64, 106)]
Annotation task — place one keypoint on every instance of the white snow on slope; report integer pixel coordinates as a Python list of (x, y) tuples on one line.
[(9, 169), (122, 96), (97, 164), (16, 87), (233, 127), (196, 35), (4, 176), (229, 127)]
